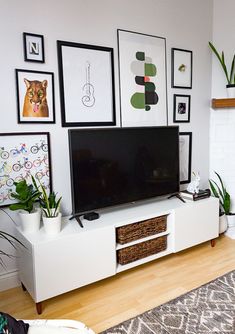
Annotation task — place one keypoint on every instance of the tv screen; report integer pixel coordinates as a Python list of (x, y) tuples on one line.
[(120, 165)]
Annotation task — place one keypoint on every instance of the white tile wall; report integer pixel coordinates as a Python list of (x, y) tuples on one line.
[(222, 148)]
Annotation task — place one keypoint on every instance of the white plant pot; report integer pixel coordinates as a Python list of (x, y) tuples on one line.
[(231, 226), (230, 91), (223, 223), (30, 222), (52, 225)]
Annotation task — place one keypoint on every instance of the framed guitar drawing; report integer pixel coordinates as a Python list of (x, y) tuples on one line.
[(86, 77)]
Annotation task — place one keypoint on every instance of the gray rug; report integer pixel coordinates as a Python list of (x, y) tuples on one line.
[(207, 309)]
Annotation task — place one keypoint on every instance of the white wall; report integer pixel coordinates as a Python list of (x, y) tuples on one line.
[(222, 128), (186, 24)]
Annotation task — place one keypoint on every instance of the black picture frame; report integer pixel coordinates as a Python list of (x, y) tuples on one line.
[(23, 154), (182, 107), (91, 81), (181, 68), (33, 47), (46, 103), (185, 150)]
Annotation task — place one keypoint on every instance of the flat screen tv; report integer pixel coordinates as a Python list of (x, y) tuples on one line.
[(121, 165)]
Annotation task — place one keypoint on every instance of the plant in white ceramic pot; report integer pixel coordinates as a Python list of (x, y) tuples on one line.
[(219, 191), (27, 195), (230, 75), (50, 206)]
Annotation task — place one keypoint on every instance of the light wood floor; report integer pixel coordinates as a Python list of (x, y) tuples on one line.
[(113, 300)]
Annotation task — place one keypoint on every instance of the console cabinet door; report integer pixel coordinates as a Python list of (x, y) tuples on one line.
[(195, 222), (69, 263)]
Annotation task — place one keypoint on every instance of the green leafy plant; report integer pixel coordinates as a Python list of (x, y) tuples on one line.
[(26, 195), (13, 241), (48, 202), (220, 192), (230, 76)]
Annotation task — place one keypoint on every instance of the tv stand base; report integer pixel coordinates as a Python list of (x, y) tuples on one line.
[(91, 253), (177, 196)]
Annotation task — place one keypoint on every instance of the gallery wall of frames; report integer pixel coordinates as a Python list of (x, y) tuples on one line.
[(142, 63)]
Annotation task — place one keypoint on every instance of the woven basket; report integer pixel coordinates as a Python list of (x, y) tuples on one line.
[(143, 229), (141, 250)]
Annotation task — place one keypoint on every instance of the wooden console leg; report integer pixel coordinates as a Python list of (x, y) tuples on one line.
[(23, 287), (213, 243), (39, 307)]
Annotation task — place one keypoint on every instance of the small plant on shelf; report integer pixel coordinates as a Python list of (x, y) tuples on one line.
[(230, 75), (26, 195), (49, 203)]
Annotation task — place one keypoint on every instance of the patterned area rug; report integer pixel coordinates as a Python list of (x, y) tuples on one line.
[(207, 309)]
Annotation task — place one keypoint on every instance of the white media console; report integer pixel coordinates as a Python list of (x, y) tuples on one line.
[(52, 265)]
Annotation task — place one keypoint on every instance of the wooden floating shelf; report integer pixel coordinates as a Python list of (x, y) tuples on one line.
[(223, 103)]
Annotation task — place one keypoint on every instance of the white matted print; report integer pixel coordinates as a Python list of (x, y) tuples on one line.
[(182, 108), (142, 68), (21, 156), (35, 96), (181, 68), (86, 84), (185, 145)]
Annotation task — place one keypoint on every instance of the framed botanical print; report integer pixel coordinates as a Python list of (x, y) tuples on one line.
[(86, 77), (181, 68), (142, 75), (181, 108), (23, 155), (35, 96), (185, 145), (33, 47)]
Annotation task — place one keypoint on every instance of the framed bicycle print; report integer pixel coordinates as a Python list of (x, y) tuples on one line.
[(181, 68), (23, 155), (33, 47), (86, 78), (185, 145), (182, 108), (35, 96), (142, 76)]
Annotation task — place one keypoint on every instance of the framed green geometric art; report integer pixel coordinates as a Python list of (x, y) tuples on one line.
[(142, 74)]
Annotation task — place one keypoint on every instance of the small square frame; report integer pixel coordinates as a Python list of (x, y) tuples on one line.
[(33, 47), (181, 108), (185, 148), (181, 68)]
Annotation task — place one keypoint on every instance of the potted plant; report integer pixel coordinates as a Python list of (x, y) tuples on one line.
[(220, 192), (27, 195), (50, 206), (230, 76), (12, 240)]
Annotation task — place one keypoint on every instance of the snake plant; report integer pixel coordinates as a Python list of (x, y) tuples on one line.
[(230, 76), (220, 192)]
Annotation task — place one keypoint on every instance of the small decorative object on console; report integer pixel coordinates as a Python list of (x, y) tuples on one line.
[(193, 186), (196, 196)]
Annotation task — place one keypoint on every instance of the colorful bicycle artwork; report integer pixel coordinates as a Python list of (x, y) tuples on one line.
[(23, 155)]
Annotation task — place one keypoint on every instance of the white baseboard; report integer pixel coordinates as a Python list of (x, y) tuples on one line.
[(9, 280)]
